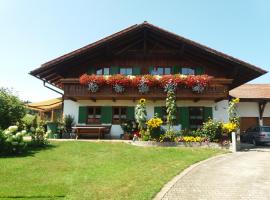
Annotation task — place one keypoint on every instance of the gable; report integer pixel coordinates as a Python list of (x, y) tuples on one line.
[(148, 45)]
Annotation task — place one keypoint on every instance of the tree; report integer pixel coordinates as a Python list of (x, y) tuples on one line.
[(12, 109)]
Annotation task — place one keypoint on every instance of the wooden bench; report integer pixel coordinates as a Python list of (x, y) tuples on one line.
[(90, 130)]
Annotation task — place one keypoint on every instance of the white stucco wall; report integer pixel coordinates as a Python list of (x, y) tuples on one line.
[(72, 108), (251, 109)]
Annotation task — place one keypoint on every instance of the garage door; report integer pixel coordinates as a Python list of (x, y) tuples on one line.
[(246, 122), (266, 121)]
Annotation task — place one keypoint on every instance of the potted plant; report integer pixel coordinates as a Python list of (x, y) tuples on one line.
[(129, 127), (68, 124)]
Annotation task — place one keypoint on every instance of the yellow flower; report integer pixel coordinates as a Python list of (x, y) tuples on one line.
[(154, 123), (236, 100), (142, 101), (229, 127)]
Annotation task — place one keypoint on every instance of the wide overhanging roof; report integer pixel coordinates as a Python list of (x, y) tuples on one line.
[(49, 71), (252, 92)]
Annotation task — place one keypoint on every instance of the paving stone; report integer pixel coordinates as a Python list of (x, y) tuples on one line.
[(241, 176)]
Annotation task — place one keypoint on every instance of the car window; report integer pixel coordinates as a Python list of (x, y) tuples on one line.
[(266, 129)]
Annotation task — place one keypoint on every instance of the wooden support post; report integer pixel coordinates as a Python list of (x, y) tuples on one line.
[(261, 111), (52, 115)]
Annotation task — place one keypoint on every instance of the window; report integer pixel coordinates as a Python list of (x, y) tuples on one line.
[(161, 71), (94, 115), (119, 115), (126, 70), (195, 117), (188, 71), (103, 71)]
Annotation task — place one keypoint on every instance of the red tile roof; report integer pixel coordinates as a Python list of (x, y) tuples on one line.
[(252, 91)]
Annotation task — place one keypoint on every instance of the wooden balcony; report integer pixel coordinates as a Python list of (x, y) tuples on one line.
[(218, 89)]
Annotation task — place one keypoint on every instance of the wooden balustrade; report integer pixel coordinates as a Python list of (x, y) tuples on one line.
[(217, 90)]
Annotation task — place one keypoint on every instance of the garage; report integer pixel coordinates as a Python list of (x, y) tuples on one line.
[(266, 121), (246, 122)]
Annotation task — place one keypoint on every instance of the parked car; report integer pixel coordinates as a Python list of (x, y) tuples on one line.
[(256, 135)]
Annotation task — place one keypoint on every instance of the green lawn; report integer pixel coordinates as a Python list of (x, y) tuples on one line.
[(87, 170)]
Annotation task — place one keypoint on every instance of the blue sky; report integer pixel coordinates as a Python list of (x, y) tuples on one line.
[(33, 32)]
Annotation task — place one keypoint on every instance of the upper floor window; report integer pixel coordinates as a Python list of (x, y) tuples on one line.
[(94, 115), (119, 115), (126, 70), (161, 71), (103, 71), (188, 71)]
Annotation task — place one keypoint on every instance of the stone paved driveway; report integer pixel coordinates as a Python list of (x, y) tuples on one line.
[(243, 175)]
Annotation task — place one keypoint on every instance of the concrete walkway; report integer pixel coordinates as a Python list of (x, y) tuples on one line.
[(242, 175)]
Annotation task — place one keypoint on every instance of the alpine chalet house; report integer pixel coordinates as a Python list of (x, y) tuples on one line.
[(103, 81)]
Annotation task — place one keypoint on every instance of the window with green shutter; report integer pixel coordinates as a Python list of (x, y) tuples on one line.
[(114, 70), (199, 70), (91, 70), (130, 113), (136, 71), (151, 69), (158, 111), (106, 114), (82, 114), (207, 113), (184, 117), (176, 69)]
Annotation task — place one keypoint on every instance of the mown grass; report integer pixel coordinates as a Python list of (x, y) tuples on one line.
[(87, 170)]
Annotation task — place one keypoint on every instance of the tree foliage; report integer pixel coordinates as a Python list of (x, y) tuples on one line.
[(12, 109)]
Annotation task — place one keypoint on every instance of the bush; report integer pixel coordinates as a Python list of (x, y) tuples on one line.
[(28, 120), (12, 109), (169, 136), (212, 129), (39, 135), (68, 123), (12, 141)]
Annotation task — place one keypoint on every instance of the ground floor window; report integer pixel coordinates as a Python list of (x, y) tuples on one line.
[(119, 115), (94, 115), (195, 117)]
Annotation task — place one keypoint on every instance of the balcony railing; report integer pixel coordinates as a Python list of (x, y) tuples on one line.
[(218, 89)]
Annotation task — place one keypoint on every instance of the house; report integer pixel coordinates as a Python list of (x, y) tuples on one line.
[(139, 50), (254, 106), (50, 109)]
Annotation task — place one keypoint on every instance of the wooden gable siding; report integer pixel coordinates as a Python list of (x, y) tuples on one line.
[(144, 64)]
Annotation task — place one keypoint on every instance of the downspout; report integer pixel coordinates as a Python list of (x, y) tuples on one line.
[(62, 95)]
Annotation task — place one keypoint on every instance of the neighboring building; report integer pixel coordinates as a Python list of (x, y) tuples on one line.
[(49, 110), (254, 106), (145, 49)]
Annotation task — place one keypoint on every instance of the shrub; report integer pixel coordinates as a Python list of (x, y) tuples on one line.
[(39, 135), (154, 128), (12, 109), (68, 123), (12, 140), (212, 129), (169, 136), (28, 121)]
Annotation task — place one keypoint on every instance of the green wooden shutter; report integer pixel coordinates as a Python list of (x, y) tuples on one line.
[(199, 70), (178, 121), (151, 69), (184, 117), (130, 113), (82, 114), (114, 70), (176, 70), (158, 111), (91, 70), (106, 114), (207, 113), (136, 71)]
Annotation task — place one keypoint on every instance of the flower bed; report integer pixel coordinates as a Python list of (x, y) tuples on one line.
[(197, 83), (181, 144)]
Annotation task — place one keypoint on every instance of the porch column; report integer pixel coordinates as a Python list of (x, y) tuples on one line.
[(261, 105)]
